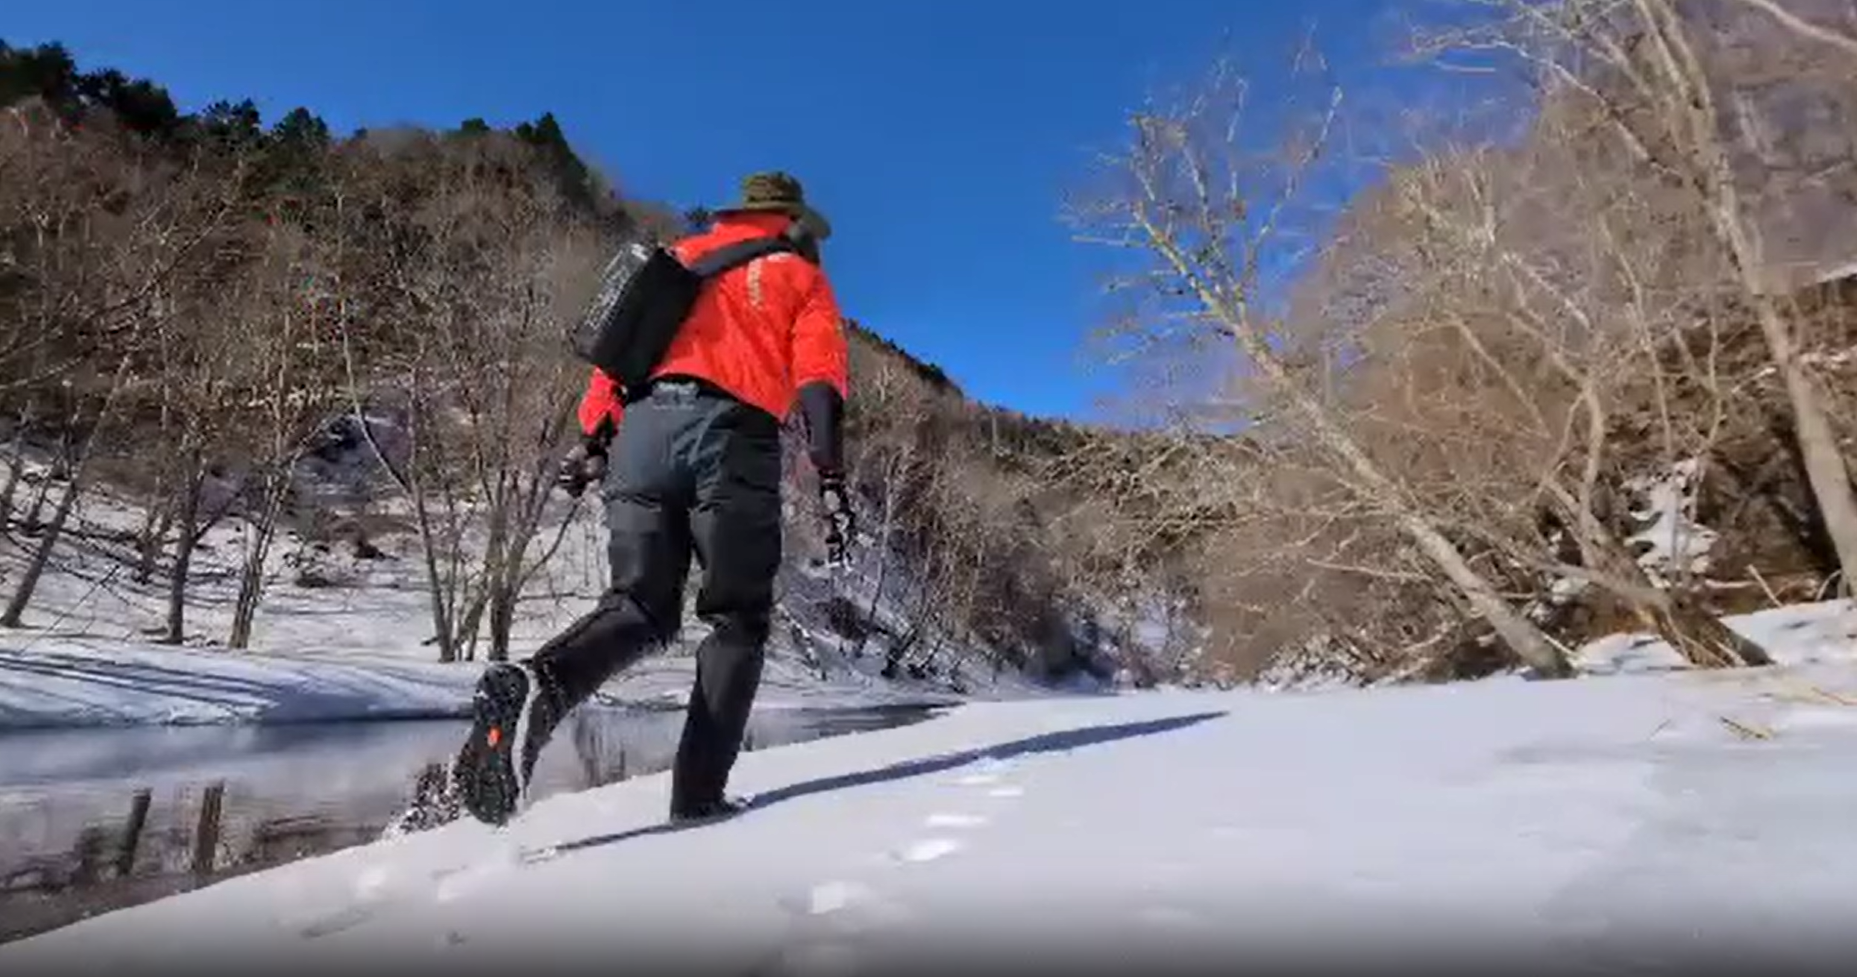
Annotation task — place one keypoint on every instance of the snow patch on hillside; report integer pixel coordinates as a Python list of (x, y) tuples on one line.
[(345, 632)]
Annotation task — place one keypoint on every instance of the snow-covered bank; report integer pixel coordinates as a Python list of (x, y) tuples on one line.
[(69, 681), (77, 682), (333, 784), (347, 636), (1797, 634), (1646, 820)]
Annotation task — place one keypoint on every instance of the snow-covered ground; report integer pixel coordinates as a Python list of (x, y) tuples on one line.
[(57, 784), (342, 637), (78, 682), (1797, 634), (1634, 822), (1639, 815)]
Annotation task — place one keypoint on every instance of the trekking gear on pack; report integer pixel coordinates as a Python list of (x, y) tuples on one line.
[(761, 333), (645, 295)]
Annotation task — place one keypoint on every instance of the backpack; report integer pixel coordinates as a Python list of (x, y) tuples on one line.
[(645, 295)]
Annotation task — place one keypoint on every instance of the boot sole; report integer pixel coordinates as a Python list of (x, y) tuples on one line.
[(488, 779)]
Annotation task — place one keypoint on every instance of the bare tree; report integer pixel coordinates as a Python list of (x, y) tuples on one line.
[(1641, 67), (1214, 213), (1807, 29), (107, 230), (1531, 313), (80, 451), (194, 334), (286, 378), (888, 457), (482, 380)]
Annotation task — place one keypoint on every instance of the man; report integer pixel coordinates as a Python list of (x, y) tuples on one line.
[(694, 467)]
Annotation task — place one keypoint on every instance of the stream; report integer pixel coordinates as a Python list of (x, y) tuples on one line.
[(217, 801)]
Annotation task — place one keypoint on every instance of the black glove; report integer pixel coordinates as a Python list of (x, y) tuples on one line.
[(841, 522), (583, 466)]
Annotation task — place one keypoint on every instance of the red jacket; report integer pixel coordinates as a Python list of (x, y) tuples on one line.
[(760, 331)]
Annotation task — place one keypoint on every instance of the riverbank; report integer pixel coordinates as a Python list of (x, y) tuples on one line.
[(99, 819), (69, 682), (1650, 820)]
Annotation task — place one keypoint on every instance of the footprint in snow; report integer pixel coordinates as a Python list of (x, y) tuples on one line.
[(844, 907), (461, 882), (930, 849), (953, 821), (368, 891), (830, 897), (370, 883), (342, 920)]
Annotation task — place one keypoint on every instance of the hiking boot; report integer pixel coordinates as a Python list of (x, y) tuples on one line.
[(513, 714), (701, 811)]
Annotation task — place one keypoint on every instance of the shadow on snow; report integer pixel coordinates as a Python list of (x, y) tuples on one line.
[(1057, 742)]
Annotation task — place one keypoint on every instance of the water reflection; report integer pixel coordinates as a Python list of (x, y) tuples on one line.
[(98, 819)]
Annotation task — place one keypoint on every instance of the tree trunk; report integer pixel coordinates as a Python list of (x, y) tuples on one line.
[(148, 546), (251, 586), (184, 543), (15, 614), (883, 560), (498, 576), (502, 621), (251, 582), (1700, 637), (34, 519), (157, 519), (436, 583), (15, 468), (439, 588), (1818, 443), (1824, 462), (261, 531)]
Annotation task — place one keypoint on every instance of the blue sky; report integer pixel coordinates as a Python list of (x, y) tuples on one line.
[(939, 137)]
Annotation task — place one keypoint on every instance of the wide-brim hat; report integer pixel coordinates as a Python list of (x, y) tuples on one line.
[(780, 193)]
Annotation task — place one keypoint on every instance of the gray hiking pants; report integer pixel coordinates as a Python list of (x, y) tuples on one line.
[(690, 472)]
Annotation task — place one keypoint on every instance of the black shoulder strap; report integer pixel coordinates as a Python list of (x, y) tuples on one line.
[(740, 253)]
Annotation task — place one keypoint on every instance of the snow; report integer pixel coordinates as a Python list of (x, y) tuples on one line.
[(77, 683), (73, 683), (357, 643), (1668, 536), (1644, 809), (1317, 664), (1646, 820), (57, 783), (1672, 538), (1797, 634)]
